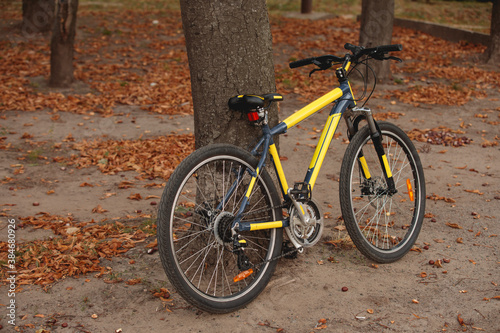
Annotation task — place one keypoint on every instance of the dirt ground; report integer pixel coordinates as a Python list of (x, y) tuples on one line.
[(305, 294), (397, 297)]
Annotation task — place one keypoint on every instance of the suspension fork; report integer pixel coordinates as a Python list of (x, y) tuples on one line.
[(376, 136)]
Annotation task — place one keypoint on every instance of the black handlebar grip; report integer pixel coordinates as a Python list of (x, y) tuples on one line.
[(300, 63), (390, 48), (350, 47)]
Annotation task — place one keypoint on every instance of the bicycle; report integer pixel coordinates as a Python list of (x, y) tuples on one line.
[(221, 217)]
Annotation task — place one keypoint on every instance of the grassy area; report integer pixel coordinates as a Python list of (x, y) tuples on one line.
[(469, 15), (464, 14)]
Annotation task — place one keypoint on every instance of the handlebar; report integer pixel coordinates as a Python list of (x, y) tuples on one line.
[(326, 59), (325, 62)]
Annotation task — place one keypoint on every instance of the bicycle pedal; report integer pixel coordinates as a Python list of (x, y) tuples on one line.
[(289, 250), (301, 190)]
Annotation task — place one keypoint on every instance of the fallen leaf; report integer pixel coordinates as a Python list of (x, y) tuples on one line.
[(136, 196), (474, 191), (99, 209), (152, 244), (453, 225), (132, 282), (460, 320)]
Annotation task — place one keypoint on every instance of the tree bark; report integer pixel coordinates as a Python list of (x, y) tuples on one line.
[(61, 45), (493, 51), (306, 6), (229, 49), (38, 16), (377, 20)]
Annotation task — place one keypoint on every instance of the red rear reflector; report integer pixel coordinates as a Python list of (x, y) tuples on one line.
[(253, 116)]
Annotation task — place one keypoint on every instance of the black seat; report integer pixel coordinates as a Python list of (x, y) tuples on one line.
[(248, 103)]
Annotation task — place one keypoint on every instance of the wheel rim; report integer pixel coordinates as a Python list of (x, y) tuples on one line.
[(198, 226), (387, 222)]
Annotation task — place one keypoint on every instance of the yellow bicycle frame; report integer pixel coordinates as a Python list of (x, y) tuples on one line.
[(344, 97)]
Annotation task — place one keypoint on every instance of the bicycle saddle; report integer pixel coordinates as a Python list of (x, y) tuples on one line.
[(249, 103)]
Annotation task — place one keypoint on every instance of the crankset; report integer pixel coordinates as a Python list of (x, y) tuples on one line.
[(308, 232)]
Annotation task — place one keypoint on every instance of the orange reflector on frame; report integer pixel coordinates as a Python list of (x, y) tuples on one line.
[(243, 275), (410, 189)]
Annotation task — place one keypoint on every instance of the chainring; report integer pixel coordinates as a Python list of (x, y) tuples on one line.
[(306, 235)]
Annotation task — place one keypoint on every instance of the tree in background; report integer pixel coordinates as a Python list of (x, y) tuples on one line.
[(493, 51), (377, 20), (229, 50), (61, 45), (306, 6), (38, 16)]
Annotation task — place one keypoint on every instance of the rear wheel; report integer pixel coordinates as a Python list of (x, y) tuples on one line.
[(383, 226), (194, 228)]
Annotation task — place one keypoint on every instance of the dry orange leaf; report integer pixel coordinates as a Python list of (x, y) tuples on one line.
[(453, 225), (460, 320), (152, 244), (474, 191), (99, 210), (132, 282), (136, 196)]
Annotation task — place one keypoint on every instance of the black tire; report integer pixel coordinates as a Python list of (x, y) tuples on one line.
[(383, 227), (194, 236)]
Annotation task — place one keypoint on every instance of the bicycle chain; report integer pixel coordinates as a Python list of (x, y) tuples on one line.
[(256, 266), (277, 257), (283, 205)]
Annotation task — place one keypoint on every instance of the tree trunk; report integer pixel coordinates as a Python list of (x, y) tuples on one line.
[(61, 45), (377, 19), (493, 51), (229, 49), (306, 6), (38, 16)]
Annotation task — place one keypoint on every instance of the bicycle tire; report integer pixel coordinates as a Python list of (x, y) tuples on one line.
[(382, 226), (194, 239)]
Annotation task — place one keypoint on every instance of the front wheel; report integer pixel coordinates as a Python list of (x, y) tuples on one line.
[(383, 225), (195, 217)]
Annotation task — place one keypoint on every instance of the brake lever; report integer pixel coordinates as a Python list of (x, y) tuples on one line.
[(322, 66), (314, 70), (393, 58)]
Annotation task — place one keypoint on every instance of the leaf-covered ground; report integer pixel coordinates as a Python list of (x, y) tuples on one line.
[(83, 169)]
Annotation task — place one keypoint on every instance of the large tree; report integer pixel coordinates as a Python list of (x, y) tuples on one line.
[(377, 20), (61, 45), (37, 16), (493, 51), (229, 49)]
